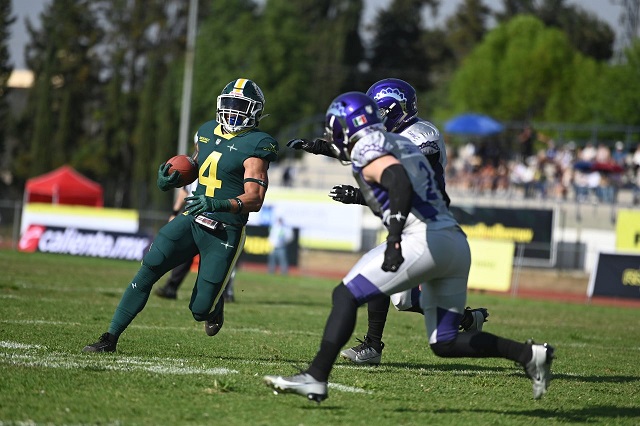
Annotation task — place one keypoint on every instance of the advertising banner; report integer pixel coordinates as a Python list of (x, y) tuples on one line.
[(84, 242), (532, 228), (96, 218), (323, 223), (491, 264), (628, 230), (616, 275)]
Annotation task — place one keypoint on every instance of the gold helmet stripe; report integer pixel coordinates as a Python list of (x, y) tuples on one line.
[(240, 83)]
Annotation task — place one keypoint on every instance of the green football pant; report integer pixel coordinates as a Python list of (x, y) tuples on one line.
[(176, 242)]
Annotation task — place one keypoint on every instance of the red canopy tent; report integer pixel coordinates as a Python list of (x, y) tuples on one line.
[(64, 186)]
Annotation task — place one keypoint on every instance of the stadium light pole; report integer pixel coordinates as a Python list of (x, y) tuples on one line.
[(185, 110)]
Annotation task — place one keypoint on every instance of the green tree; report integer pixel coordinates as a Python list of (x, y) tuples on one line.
[(335, 47), (6, 20), (144, 40), (226, 47), (514, 72), (619, 98), (587, 33), (397, 49), (61, 55), (466, 27), (317, 49)]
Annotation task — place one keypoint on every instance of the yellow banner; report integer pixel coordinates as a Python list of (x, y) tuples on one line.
[(628, 230), (491, 264)]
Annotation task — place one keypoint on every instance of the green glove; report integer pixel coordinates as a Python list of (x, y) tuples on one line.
[(167, 181), (197, 204)]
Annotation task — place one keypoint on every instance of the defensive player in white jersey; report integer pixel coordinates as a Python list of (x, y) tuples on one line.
[(398, 104), (424, 240)]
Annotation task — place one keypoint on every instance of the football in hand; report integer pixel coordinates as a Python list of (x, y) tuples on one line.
[(187, 167)]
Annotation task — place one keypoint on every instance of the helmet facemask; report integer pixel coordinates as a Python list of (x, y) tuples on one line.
[(350, 116), (240, 106), (338, 139), (236, 112)]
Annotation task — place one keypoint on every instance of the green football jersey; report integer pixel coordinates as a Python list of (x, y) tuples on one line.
[(221, 159)]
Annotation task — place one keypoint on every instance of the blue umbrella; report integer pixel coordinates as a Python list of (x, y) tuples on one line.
[(473, 124)]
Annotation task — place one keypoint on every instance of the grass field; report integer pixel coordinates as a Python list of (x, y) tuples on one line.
[(168, 372)]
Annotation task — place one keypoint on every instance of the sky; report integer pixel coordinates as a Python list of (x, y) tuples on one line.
[(22, 9)]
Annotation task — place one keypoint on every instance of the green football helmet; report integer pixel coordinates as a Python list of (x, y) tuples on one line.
[(240, 105)]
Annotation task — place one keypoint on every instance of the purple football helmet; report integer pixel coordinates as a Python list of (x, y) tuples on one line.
[(348, 114), (397, 101)]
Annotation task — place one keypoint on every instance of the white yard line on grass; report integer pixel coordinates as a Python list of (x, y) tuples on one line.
[(70, 362), (31, 356)]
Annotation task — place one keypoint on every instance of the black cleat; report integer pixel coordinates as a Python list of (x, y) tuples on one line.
[(106, 343), (214, 326), (473, 319), (167, 292)]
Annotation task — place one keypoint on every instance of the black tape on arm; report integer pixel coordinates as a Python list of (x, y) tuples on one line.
[(258, 181), (395, 179)]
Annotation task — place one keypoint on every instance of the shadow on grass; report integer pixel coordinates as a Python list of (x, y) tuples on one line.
[(596, 379), (447, 367), (480, 369), (594, 414)]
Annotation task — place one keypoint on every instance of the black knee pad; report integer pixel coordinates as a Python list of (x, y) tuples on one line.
[(341, 295), (443, 349)]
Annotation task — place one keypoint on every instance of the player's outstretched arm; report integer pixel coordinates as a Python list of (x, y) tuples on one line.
[(347, 194), (317, 146)]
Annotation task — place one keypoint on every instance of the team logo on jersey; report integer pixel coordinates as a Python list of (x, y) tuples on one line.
[(429, 147), (271, 148), (360, 120), (203, 139)]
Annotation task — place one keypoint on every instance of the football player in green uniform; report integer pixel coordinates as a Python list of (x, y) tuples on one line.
[(233, 158)]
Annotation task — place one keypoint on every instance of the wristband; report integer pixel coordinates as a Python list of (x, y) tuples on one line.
[(239, 204), (175, 212)]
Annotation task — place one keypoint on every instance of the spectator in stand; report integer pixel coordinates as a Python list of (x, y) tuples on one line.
[(565, 159), (635, 164), (588, 153), (526, 139), (619, 155)]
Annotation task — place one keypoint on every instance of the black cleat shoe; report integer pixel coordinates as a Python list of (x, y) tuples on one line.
[(364, 353), (106, 343), (473, 319), (214, 326), (167, 292)]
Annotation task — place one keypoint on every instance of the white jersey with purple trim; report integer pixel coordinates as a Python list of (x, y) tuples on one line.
[(433, 245), (428, 203), (427, 137)]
